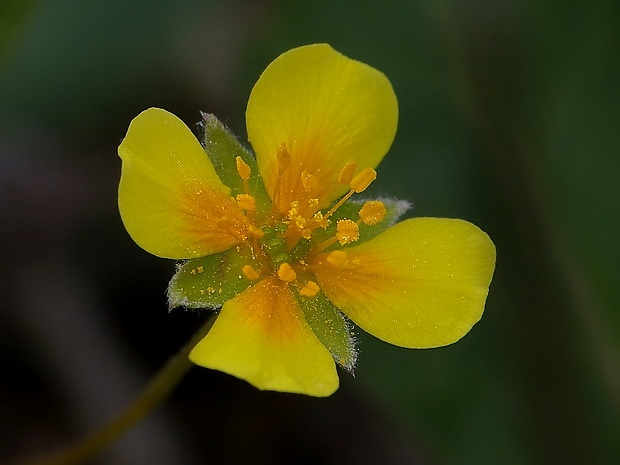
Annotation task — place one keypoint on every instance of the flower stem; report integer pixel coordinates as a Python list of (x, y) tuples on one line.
[(155, 392)]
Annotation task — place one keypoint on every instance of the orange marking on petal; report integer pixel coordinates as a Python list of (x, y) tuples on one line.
[(170, 197), (284, 157), (420, 283), (232, 227), (213, 217), (331, 110), (262, 336)]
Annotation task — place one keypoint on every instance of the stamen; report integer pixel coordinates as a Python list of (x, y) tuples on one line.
[(320, 220), (284, 160), (250, 273), (337, 257), (294, 210), (310, 289), (323, 245), (363, 180), (339, 204), (243, 169), (246, 201), (347, 172), (286, 273), (313, 203), (256, 232), (294, 216), (309, 182), (347, 231), (372, 212), (358, 184)]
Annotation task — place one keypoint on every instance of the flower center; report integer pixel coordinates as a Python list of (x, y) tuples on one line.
[(283, 244)]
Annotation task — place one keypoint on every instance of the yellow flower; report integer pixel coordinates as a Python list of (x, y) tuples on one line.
[(268, 241)]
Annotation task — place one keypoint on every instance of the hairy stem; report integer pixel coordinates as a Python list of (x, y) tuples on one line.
[(154, 394)]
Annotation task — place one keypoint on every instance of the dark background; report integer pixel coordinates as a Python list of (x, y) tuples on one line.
[(508, 118)]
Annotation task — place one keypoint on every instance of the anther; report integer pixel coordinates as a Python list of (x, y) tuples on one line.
[(372, 212), (256, 232), (284, 160), (250, 273), (347, 231), (319, 219), (337, 257), (286, 273), (246, 201), (243, 169), (346, 173), (363, 180), (358, 184), (309, 182), (310, 289)]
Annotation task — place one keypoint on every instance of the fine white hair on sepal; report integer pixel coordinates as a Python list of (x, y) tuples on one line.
[(354, 352), (400, 207)]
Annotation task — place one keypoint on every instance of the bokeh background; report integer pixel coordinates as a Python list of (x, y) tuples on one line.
[(508, 118)]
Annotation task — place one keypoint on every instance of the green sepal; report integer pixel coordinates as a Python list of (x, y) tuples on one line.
[(350, 210), (223, 148), (208, 282), (332, 329)]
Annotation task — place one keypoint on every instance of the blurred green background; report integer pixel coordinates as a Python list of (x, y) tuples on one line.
[(508, 118)]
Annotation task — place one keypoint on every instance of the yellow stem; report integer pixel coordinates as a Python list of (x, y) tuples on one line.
[(155, 392), (322, 246), (339, 204)]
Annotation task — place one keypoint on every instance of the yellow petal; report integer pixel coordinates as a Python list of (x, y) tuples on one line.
[(325, 110), (170, 198), (261, 336), (422, 283)]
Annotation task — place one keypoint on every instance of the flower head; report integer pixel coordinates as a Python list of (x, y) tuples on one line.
[(280, 240)]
